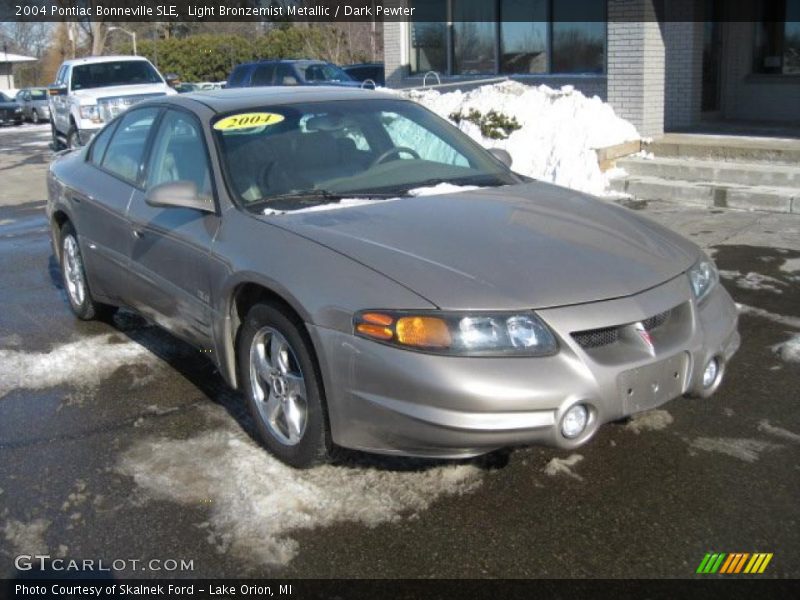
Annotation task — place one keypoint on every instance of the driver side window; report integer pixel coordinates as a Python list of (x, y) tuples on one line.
[(179, 154)]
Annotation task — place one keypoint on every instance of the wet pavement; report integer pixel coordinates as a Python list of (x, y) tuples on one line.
[(118, 442)]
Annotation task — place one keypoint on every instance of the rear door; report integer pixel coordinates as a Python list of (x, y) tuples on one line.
[(101, 197), (170, 251)]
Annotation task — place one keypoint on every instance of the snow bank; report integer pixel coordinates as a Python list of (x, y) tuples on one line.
[(560, 129), (256, 503)]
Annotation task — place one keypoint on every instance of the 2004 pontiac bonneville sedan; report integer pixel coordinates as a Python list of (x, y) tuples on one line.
[(283, 232)]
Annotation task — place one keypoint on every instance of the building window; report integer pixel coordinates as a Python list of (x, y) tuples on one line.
[(429, 37), (579, 47), (778, 38), (508, 37), (474, 37), (523, 36)]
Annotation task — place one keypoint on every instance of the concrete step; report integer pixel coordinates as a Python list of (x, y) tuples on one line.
[(772, 199), (726, 147), (714, 171)]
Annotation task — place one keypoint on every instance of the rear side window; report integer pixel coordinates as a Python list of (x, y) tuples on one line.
[(263, 74), (124, 153), (238, 76), (100, 143)]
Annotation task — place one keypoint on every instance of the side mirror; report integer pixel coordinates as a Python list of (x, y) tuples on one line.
[(502, 155), (57, 90), (178, 194)]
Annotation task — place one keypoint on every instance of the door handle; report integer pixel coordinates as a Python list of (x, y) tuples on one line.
[(138, 234)]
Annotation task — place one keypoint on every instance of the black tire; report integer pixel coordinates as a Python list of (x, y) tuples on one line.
[(83, 306), (314, 446), (56, 143), (74, 138)]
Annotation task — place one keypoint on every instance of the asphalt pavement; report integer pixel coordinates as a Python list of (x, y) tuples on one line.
[(120, 443)]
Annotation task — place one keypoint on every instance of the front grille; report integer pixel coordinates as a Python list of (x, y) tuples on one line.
[(656, 321), (594, 338), (605, 336), (111, 106)]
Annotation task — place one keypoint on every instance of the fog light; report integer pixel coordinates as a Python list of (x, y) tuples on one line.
[(574, 421), (710, 373)]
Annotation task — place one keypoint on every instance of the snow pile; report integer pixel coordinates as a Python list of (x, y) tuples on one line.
[(744, 449), (780, 432), (256, 502), (563, 466), (84, 363), (789, 350), (560, 129), (653, 420)]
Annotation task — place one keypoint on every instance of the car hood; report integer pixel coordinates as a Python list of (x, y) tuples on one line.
[(123, 90), (525, 246), (11, 105)]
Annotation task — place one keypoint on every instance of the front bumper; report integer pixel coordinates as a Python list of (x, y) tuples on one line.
[(387, 400)]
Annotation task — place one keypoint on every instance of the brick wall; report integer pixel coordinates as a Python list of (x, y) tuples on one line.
[(636, 65)]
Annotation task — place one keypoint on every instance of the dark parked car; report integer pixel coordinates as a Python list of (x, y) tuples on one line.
[(367, 72), (10, 111), (35, 104), (285, 233), (289, 72)]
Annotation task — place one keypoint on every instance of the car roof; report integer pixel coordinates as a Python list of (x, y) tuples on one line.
[(252, 97), (367, 64), (101, 59), (288, 61)]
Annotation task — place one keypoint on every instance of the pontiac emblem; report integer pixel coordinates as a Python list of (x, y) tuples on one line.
[(646, 337)]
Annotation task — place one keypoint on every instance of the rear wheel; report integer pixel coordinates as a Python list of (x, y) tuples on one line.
[(282, 386), (75, 282)]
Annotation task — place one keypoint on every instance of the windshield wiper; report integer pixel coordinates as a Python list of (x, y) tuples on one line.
[(291, 200), (477, 180)]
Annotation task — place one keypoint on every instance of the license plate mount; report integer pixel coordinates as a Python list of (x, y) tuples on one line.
[(649, 386)]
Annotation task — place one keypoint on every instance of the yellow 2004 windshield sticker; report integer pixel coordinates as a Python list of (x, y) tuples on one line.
[(248, 121)]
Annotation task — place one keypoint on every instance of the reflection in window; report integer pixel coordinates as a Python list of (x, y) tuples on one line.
[(579, 47), (533, 36), (523, 36), (474, 37), (778, 38), (429, 36)]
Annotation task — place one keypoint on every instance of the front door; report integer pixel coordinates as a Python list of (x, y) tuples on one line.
[(170, 250)]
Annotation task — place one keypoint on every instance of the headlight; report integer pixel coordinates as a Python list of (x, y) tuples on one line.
[(703, 276), (90, 112), (462, 334)]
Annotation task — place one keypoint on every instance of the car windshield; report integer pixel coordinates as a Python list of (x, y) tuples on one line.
[(322, 72), (4, 98), (121, 72), (347, 149), (38, 95)]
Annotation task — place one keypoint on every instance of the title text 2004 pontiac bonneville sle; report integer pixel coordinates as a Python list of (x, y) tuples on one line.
[(284, 230)]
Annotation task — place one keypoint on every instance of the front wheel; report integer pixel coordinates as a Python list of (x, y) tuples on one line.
[(75, 282), (282, 386), (74, 138), (35, 117)]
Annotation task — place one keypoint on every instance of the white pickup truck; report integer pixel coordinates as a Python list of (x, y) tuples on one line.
[(89, 92)]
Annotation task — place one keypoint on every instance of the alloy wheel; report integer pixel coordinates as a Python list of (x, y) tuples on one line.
[(279, 387), (73, 271)]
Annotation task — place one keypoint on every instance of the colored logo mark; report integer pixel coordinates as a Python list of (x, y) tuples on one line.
[(734, 563)]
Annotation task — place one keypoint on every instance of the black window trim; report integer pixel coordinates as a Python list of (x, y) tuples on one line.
[(134, 184), (151, 142)]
